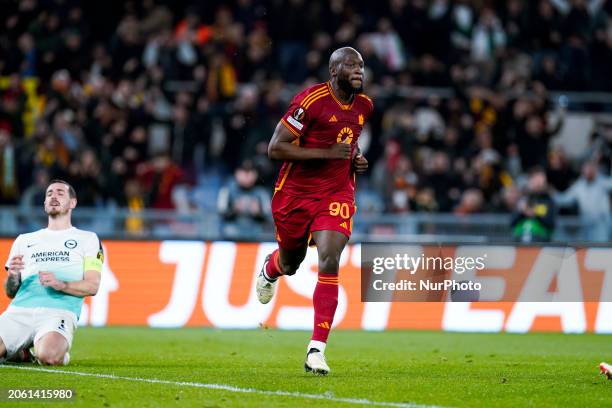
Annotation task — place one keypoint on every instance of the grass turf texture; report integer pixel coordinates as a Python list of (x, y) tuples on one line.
[(431, 368)]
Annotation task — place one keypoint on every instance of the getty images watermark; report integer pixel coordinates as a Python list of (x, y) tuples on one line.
[(470, 273), (407, 273), (412, 264)]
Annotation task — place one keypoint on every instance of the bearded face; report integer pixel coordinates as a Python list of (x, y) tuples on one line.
[(58, 201), (350, 74), (347, 86)]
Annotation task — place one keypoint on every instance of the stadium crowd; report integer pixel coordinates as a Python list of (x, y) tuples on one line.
[(134, 101)]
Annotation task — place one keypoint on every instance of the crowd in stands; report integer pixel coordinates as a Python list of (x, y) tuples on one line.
[(133, 101)]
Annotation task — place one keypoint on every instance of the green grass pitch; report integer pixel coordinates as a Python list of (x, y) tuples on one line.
[(401, 367)]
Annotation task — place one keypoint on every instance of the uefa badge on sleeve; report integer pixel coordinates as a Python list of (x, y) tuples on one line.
[(298, 114)]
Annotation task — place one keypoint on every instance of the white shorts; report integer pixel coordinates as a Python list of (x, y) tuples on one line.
[(22, 327)]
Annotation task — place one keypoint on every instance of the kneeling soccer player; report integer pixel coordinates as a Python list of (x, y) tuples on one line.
[(50, 271), (314, 196)]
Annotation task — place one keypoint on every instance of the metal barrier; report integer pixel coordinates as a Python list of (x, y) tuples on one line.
[(120, 223)]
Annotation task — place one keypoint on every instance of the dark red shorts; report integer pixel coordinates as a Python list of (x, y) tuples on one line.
[(296, 218)]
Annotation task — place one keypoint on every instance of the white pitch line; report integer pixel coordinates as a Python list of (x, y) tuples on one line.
[(230, 388)]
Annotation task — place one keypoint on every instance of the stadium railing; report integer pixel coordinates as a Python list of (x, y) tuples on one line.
[(120, 223)]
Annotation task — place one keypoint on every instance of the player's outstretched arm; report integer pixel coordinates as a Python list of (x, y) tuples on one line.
[(283, 147), (86, 287)]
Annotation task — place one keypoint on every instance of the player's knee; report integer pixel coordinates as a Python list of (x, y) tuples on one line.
[(329, 263), (47, 357), (289, 268)]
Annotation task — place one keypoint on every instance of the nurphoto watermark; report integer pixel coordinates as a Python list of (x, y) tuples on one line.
[(472, 273)]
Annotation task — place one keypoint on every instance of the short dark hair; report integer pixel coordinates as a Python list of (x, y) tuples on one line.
[(71, 191)]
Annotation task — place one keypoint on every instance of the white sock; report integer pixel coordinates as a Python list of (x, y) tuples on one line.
[(319, 345), (66, 358), (269, 279)]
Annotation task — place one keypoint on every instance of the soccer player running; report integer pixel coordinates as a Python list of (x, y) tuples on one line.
[(50, 271), (314, 196)]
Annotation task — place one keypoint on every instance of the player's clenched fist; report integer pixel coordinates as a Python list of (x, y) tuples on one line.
[(340, 151), (360, 163), (15, 265), (49, 280)]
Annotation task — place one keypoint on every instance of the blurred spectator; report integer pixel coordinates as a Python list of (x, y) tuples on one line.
[(443, 182), (488, 36), (558, 170), (534, 216), (134, 224), (403, 191), (159, 177), (35, 194), (533, 139), (192, 29), (592, 194), (549, 73), (243, 203), (510, 198), (425, 201), (545, 30), (388, 46), (289, 28), (471, 202), (601, 148), (116, 183), (85, 176), (12, 104), (9, 187)]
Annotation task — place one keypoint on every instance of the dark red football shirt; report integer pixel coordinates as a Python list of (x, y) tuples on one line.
[(319, 119)]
